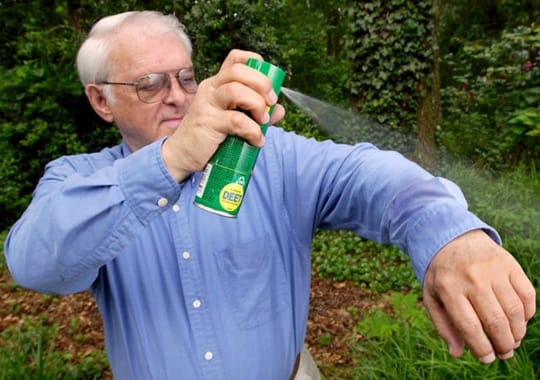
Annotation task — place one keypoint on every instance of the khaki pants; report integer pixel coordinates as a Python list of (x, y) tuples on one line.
[(307, 369)]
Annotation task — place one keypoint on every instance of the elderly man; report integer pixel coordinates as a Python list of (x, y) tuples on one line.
[(188, 294)]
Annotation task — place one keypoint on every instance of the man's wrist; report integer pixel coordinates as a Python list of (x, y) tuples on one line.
[(176, 171)]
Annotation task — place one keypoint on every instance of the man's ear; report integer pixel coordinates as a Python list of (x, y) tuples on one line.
[(98, 102)]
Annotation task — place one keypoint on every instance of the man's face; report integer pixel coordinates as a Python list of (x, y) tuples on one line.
[(134, 55)]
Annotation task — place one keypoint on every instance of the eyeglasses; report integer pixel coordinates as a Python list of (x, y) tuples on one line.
[(153, 88)]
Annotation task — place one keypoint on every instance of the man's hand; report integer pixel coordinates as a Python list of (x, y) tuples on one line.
[(478, 295), (220, 108)]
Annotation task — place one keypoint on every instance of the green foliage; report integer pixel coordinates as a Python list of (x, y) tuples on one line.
[(217, 26), (45, 113), (464, 20), (273, 29), (342, 255), (526, 121), (312, 49), (492, 108), (405, 311), (27, 351), (390, 48), (3, 265), (403, 344), (31, 96), (530, 346)]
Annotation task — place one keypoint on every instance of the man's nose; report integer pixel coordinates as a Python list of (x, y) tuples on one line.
[(176, 93)]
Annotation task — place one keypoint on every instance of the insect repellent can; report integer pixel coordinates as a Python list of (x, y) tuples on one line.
[(226, 176)]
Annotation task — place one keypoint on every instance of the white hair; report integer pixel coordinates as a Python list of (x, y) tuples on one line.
[(93, 58)]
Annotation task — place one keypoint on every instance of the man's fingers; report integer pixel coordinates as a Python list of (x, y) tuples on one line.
[(234, 69), (526, 292), (278, 114), (501, 315), (444, 327), (240, 87), (469, 327), (244, 126), (514, 310)]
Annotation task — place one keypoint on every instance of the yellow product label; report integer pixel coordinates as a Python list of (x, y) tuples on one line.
[(231, 196)]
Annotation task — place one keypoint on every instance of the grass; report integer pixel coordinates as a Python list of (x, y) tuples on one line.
[(404, 345), (28, 348), (27, 351)]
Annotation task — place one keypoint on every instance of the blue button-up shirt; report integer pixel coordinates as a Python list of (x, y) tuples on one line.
[(187, 294)]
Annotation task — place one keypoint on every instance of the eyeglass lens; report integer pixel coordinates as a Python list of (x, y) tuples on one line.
[(152, 87)]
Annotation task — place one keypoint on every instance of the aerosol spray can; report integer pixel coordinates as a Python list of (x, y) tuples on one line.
[(226, 176)]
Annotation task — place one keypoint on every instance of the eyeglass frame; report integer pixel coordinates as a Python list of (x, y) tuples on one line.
[(168, 85)]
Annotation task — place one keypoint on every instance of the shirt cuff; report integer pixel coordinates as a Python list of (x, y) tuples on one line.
[(146, 183), (436, 228)]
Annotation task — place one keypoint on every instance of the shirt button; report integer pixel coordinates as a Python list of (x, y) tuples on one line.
[(176, 208), (186, 255), (162, 202), (196, 304), (208, 355)]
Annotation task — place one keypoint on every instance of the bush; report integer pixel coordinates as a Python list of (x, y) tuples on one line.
[(46, 114), (492, 109)]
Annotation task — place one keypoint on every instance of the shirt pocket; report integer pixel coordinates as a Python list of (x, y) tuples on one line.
[(253, 278)]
